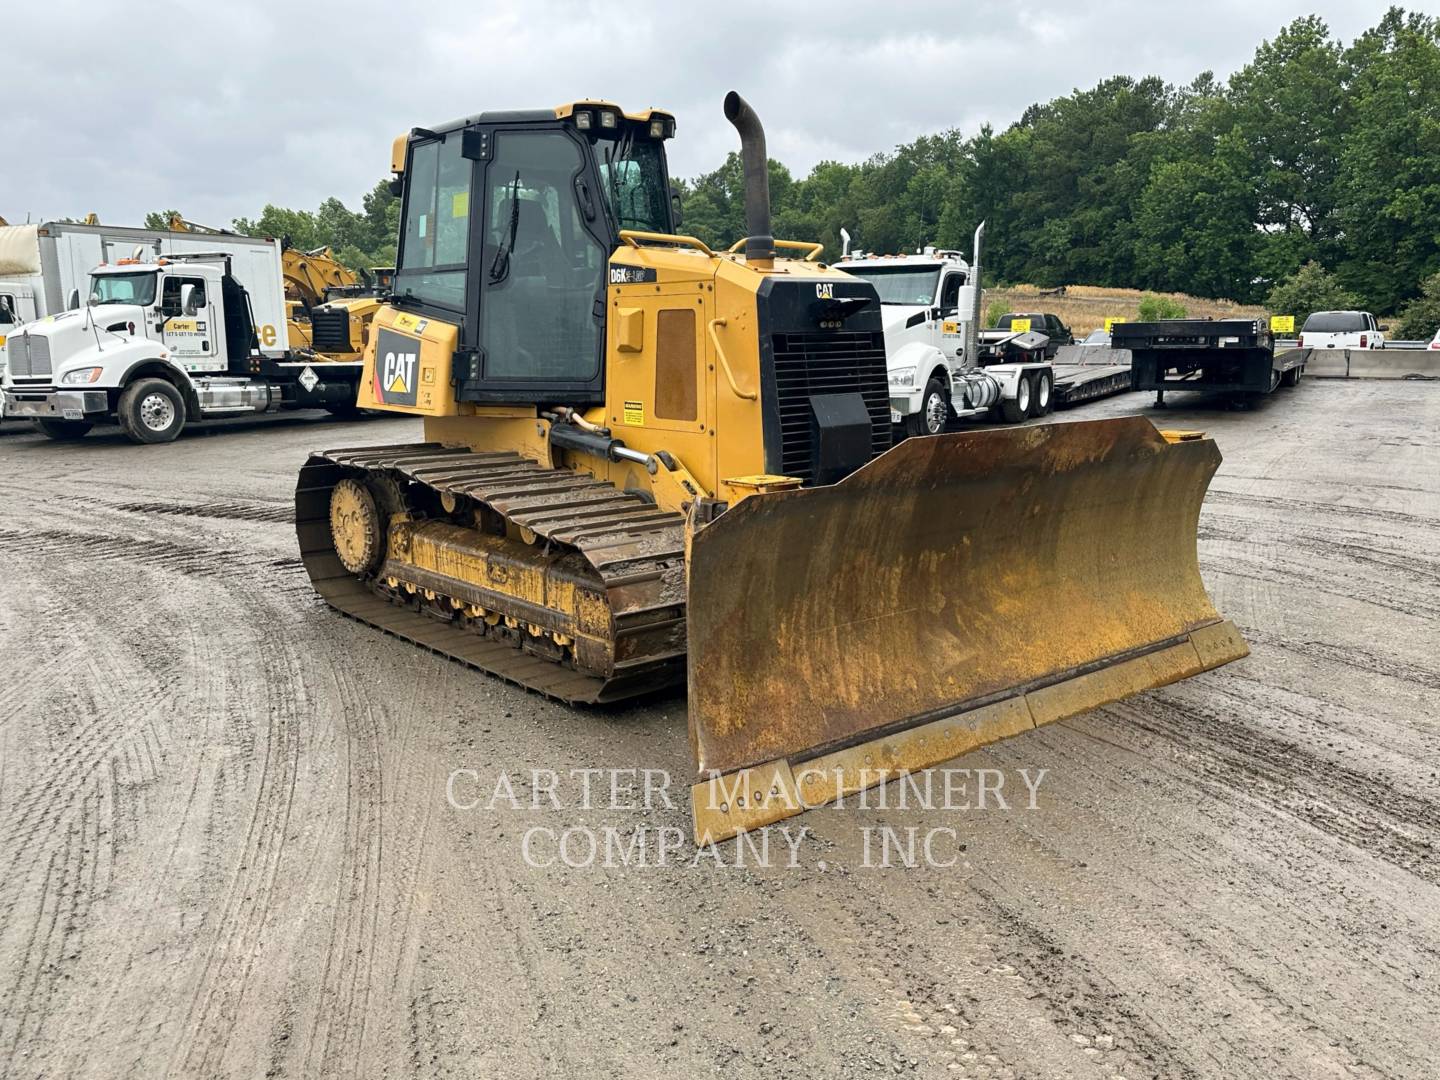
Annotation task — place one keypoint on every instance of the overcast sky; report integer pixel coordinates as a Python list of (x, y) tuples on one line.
[(218, 108)]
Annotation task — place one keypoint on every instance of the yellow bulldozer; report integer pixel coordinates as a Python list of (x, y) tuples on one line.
[(647, 463), (328, 306)]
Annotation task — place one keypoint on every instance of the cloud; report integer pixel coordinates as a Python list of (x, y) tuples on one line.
[(219, 109)]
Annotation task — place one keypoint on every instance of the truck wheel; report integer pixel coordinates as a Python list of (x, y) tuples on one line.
[(1292, 377), (1044, 384), (65, 430), (1017, 408), (934, 411), (151, 411)]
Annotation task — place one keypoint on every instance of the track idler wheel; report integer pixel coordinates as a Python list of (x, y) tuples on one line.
[(356, 527)]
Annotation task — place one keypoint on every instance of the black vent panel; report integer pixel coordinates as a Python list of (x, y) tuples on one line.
[(330, 331), (814, 363)]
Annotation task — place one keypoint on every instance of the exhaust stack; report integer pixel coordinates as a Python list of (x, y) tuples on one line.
[(759, 243), (972, 330)]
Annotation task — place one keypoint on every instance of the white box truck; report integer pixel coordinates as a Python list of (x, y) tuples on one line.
[(159, 329)]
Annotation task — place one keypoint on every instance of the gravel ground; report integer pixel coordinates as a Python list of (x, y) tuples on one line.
[(226, 847)]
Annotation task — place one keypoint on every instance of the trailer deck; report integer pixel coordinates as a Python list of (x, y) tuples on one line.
[(1076, 384)]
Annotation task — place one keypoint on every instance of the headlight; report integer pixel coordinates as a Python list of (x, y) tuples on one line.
[(82, 375), (903, 376)]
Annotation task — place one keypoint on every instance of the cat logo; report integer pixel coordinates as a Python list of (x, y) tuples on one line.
[(399, 371), (396, 359), (825, 290)]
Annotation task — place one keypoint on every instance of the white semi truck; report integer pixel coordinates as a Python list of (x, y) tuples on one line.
[(154, 341), (940, 363)]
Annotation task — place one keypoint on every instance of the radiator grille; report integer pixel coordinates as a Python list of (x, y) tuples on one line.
[(29, 356), (834, 362), (330, 331)]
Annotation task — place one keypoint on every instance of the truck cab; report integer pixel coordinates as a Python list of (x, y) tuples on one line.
[(926, 309), (158, 344), (17, 306)]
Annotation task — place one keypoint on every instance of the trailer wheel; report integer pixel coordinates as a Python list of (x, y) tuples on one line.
[(1292, 377), (1013, 410), (64, 430), (1044, 385), (934, 411), (151, 411)]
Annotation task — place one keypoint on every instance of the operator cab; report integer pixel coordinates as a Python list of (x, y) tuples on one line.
[(508, 224)]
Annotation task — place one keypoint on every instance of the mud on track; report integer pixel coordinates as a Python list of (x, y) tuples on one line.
[(226, 848)]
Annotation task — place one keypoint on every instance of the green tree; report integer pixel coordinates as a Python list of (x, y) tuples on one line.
[(159, 220), (1307, 290), (1290, 111), (1389, 171), (1154, 307), (1194, 228), (1421, 317), (360, 240)]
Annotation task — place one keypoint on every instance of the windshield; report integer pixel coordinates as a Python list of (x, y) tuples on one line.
[(1098, 337), (900, 284), (124, 288), (1334, 322), (632, 171)]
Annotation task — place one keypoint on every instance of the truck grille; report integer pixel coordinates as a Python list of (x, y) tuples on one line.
[(330, 331), (29, 356), (811, 363)]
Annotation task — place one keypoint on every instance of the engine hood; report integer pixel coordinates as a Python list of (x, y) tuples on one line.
[(896, 317), (72, 335)]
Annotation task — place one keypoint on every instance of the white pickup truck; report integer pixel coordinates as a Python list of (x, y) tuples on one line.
[(1342, 330)]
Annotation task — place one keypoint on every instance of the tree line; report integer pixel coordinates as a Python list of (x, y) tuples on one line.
[(1315, 155), (1312, 152)]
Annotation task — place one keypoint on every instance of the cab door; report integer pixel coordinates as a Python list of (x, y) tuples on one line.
[(189, 328), (950, 338)]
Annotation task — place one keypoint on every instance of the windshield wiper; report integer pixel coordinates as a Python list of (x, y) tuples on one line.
[(500, 268)]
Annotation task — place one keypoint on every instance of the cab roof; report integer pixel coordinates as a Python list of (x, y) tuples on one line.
[(919, 262), (520, 116)]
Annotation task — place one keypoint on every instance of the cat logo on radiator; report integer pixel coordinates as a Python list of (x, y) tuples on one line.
[(825, 290)]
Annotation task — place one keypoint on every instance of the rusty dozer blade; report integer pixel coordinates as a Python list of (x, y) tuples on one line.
[(955, 591)]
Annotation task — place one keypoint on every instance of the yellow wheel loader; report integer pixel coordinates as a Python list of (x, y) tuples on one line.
[(647, 462)]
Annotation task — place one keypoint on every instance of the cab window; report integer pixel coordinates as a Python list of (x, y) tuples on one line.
[(542, 269), (171, 293), (436, 235), (136, 288), (7, 310), (950, 293)]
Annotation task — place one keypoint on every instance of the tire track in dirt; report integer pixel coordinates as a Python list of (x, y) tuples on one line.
[(1367, 811), (224, 510), (336, 1043), (1350, 656), (218, 996)]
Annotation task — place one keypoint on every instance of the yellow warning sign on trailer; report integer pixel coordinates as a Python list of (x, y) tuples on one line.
[(1282, 324), (1111, 320)]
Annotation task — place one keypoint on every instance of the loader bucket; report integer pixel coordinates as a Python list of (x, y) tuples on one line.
[(957, 590)]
